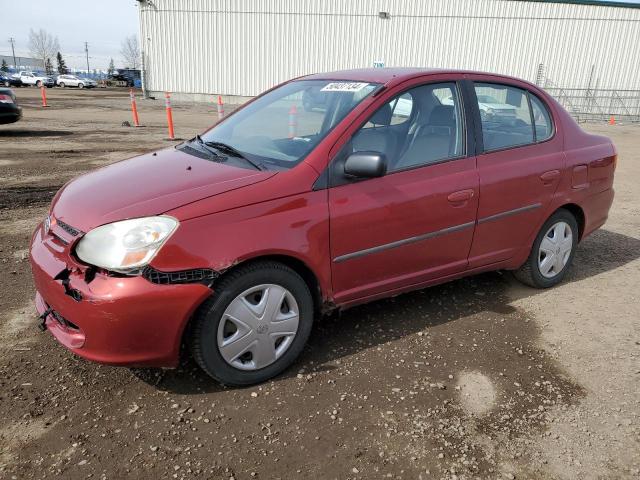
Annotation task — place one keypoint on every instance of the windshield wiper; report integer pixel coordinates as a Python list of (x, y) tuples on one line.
[(223, 147), (208, 149)]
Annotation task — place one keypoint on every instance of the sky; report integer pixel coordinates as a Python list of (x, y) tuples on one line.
[(104, 24)]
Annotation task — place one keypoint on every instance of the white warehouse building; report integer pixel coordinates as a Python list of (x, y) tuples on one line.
[(239, 48)]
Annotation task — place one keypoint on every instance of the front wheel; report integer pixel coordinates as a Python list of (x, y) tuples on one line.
[(38, 84), (254, 326), (81, 85), (61, 84), (552, 252)]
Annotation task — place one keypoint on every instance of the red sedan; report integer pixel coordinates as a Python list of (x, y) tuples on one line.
[(234, 241)]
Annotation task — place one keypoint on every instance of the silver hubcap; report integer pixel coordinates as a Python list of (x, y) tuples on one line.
[(258, 327), (555, 250)]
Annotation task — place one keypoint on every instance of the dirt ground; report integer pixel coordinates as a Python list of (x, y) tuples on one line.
[(479, 378)]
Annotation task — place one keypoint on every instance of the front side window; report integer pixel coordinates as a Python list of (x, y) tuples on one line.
[(419, 127), (280, 128), (505, 116)]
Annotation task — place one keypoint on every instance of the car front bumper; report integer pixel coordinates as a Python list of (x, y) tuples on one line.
[(112, 320)]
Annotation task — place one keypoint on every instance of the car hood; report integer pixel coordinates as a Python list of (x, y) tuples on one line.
[(149, 184)]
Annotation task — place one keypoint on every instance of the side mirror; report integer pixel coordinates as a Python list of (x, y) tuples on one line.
[(366, 164)]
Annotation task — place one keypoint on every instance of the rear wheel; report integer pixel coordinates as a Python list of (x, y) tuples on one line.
[(254, 326), (61, 84), (39, 83), (81, 85), (552, 252)]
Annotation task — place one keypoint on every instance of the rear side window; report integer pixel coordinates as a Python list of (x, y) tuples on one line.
[(505, 116), (541, 119)]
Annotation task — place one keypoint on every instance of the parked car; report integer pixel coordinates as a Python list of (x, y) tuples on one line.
[(129, 77), (74, 81), (10, 111), (9, 81), (237, 239), (35, 79), (490, 107)]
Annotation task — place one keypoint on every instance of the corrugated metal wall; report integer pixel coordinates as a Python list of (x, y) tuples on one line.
[(242, 47)]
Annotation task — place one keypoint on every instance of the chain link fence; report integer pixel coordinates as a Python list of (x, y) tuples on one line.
[(594, 104)]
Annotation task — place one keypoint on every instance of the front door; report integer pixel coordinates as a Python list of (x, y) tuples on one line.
[(416, 222)]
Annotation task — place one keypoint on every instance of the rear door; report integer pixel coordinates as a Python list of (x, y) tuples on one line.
[(415, 223), (520, 165)]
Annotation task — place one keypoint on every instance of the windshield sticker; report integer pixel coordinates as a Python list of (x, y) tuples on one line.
[(343, 87)]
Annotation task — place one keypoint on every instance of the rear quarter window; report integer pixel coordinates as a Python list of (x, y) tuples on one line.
[(541, 119)]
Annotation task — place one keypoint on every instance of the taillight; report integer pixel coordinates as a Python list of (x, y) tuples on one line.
[(5, 98)]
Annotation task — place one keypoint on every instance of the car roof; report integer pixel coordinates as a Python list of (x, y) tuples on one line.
[(392, 75)]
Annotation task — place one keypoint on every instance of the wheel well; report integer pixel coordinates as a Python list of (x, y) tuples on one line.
[(297, 266), (578, 213)]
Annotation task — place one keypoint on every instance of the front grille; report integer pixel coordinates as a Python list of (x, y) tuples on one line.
[(69, 229), (198, 275)]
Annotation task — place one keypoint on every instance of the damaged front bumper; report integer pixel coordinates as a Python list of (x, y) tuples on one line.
[(109, 319)]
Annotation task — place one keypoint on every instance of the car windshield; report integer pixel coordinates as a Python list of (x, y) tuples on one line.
[(280, 128)]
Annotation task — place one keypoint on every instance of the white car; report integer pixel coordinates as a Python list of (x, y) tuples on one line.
[(73, 81), (36, 79), (491, 108)]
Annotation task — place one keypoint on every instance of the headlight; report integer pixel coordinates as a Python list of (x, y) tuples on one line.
[(127, 245)]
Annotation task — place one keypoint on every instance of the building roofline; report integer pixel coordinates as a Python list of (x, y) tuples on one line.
[(597, 3)]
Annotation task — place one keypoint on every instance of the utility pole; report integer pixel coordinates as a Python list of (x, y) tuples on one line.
[(13, 50), (86, 49)]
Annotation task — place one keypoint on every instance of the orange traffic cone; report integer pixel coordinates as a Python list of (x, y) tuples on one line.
[(612, 121), (220, 108), (293, 121)]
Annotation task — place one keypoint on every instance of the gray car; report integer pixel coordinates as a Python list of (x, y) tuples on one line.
[(74, 81)]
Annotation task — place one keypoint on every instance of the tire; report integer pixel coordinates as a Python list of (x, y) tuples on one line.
[(81, 85), (39, 83), (531, 272), (208, 331), (61, 84), (7, 84)]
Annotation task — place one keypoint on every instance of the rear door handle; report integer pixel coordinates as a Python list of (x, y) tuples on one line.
[(459, 197), (550, 176)]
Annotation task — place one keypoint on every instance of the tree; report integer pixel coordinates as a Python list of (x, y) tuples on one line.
[(48, 67), (42, 45), (62, 66), (4, 67), (112, 68), (131, 51)]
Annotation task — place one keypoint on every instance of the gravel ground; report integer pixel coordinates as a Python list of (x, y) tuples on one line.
[(478, 378)]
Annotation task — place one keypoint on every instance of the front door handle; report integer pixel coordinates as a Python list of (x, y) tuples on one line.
[(548, 177), (460, 197)]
